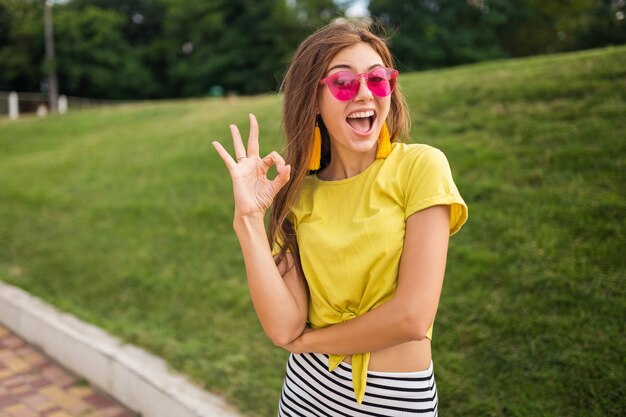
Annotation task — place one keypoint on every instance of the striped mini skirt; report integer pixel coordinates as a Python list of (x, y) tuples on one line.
[(310, 390)]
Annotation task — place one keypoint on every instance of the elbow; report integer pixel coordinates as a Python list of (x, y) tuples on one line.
[(415, 326), (420, 333), (281, 338)]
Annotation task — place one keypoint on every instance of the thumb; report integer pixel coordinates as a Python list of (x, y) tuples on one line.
[(284, 173)]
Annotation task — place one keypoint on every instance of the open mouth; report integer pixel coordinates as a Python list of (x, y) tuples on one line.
[(361, 121)]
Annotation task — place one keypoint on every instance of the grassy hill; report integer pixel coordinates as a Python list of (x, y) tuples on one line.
[(122, 216)]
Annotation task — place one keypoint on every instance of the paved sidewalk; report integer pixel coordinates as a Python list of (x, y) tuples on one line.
[(32, 385)]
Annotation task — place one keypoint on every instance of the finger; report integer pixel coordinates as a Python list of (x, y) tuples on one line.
[(253, 138), (274, 158), (223, 153), (240, 150), (284, 173)]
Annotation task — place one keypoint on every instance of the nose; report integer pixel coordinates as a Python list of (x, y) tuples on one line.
[(364, 93)]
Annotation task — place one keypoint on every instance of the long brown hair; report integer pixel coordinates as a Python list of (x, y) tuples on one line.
[(300, 87)]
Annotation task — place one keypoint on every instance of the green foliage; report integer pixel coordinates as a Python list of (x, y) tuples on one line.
[(21, 43), (430, 34), (605, 25), (241, 45), (172, 48), (317, 13), (165, 48), (142, 28), (545, 27), (143, 19), (93, 57), (191, 31), (123, 216), (440, 33)]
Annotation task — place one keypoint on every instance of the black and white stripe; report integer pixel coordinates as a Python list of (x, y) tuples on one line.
[(310, 390)]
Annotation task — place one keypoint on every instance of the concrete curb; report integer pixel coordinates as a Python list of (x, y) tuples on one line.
[(137, 379)]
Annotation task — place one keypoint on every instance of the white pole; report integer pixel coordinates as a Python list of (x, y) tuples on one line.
[(62, 104), (14, 108), (53, 89)]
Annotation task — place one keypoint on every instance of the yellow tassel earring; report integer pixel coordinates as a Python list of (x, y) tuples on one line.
[(316, 152), (384, 143)]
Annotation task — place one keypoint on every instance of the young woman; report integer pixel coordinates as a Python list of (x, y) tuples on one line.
[(350, 279)]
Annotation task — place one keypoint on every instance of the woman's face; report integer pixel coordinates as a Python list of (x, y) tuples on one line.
[(354, 125)]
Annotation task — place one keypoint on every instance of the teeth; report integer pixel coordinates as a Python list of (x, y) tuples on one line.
[(361, 114)]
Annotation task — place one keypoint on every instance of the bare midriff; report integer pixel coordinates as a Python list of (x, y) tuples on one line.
[(406, 357)]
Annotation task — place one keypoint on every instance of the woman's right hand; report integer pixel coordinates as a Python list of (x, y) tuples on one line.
[(252, 189)]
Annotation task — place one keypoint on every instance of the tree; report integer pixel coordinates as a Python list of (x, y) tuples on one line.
[(158, 48), (600, 23), (606, 25), (93, 57), (439, 33), (539, 26), (142, 28), (240, 45), (143, 19), (316, 13), (21, 45)]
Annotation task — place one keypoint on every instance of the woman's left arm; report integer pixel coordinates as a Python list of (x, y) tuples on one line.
[(409, 314)]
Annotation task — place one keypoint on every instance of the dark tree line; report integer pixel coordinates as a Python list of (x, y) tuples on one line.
[(439, 33), (157, 48), (135, 49)]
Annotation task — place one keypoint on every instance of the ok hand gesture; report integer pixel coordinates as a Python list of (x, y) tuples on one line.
[(253, 191)]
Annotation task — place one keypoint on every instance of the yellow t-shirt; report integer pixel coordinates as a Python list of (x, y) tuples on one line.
[(351, 233)]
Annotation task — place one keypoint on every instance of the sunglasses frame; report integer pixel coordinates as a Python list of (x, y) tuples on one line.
[(392, 74)]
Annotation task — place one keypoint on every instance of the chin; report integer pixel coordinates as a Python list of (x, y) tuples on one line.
[(365, 145)]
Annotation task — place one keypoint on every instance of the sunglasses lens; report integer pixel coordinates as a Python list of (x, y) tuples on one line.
[(380, 83), (343, 85)]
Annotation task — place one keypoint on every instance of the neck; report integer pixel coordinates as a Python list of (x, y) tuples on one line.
[(345, 164)]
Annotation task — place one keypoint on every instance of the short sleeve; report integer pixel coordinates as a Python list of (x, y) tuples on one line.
[(429, 183)]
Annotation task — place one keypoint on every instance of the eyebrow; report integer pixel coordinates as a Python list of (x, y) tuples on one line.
[(346, 66)]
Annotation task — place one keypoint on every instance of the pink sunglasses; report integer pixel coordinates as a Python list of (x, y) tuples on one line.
[(344, 85)]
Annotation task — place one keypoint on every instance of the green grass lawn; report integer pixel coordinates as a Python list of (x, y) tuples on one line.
[(123, 215)]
